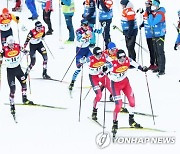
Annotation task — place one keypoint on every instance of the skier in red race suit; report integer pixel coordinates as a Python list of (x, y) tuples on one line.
[(119, 82)]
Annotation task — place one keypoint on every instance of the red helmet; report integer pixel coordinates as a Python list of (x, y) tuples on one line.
[(5, 10)]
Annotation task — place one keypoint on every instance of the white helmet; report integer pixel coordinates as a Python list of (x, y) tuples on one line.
[(10, 40)]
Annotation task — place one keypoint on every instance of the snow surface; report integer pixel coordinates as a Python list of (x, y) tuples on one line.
[(53, 131)]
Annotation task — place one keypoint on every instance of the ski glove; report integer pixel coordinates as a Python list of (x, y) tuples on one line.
[(104, 69), (143, 69), (98, 31), (103, 24), (82, 60), (141, 25)]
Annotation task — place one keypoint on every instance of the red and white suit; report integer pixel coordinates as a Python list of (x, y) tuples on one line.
[(97, 76), (120, 82)]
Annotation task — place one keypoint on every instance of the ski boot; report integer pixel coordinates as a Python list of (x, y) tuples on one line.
[(94, 114), (133, 123), (45, 76), (26, 101), (16, 9), (124, 110), (114, 127), (111, 98), (49, 32), (71, 85), (13, 111)]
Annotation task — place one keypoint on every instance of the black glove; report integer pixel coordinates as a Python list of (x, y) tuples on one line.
[(144, 69), (62, 3), (104, 69), (175, 47), (148, 10), (140, 10), (17, 18), (142, 25)]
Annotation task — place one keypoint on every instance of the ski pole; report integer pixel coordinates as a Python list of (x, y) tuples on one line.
[(150, 98), (87, 93), (48, 49), (28, 76), (71, 64), (104, 118), (115, 27), (80, 94)]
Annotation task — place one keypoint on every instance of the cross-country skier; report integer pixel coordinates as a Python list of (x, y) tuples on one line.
[(119, 82), (11, 55), (35, 37), (5, 24), (83, 34), (97, 75)]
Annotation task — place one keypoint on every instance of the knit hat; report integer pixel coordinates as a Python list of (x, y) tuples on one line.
[(111, 45), (156, 2), (5, 10), (124, 2)]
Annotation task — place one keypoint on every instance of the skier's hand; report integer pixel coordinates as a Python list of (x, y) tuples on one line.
[(17, 19), (104, 69), (82, 60), (104, 24), (143, 69)]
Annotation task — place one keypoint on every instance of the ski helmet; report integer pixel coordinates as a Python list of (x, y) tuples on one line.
[(84, 22), (120, 54), (38, 24), (10, 40), (5, 10), (97, 50), (124, 2), (111, 45)]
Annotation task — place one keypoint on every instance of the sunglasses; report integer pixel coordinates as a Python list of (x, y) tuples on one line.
[(85, 25), (39, 28), (122, 57)]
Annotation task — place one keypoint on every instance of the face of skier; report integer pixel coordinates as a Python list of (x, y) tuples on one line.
[(123, 6), (84, 26), (122, 59), (38, 29), (113, 51), (11, 45), (98, 55), (5, 15)]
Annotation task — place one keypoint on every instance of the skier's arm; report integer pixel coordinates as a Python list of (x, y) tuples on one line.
[(15, 18), (29, 36)]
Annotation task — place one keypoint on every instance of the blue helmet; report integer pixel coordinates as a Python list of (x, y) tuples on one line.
[(84, 22), (111, 45)]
